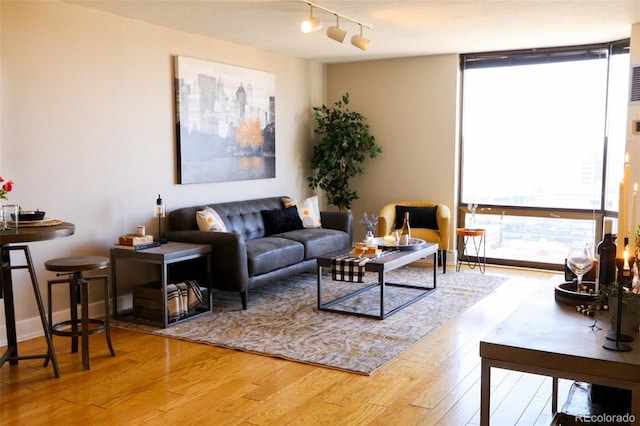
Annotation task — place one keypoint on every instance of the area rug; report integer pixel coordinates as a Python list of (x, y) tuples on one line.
[(282, 319)]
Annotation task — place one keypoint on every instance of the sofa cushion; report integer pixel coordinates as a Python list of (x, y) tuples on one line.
[(209, 220), (281, 220), (270, 253), (308, 210), (419, 217), (319, 241)]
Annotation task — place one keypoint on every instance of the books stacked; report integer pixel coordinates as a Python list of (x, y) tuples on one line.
[(366, 250), (136, 242)]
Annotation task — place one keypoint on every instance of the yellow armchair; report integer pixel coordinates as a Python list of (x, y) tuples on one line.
[(387, 218)]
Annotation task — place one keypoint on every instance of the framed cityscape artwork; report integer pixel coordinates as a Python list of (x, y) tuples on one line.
[(225, 122)]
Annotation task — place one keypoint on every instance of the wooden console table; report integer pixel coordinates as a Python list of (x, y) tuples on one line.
[(551, 339)]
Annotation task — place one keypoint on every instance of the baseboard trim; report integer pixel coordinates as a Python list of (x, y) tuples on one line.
[(31, 328)]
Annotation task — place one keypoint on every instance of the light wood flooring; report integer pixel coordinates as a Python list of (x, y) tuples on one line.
[(156, 380)]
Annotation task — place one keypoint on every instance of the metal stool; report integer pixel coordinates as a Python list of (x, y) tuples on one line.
[(78, 294)]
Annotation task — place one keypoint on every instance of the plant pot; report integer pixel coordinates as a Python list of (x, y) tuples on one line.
[(630, 315)]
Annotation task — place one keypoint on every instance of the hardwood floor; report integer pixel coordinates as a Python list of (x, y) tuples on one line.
[(156, 380)]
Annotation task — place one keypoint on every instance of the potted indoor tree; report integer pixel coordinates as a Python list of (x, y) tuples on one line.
[(344, 144)]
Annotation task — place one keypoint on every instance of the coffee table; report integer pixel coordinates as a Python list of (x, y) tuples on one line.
[(381, 266)]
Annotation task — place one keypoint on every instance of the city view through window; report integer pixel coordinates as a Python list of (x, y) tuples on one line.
[(533, 153)]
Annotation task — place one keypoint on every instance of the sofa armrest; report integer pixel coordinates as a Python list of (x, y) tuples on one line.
[(341, 221), (229, 268)]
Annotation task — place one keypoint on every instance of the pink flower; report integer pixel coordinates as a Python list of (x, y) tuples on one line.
[(7, 186)]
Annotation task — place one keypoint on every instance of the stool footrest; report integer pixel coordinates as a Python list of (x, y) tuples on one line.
[(56, 327)]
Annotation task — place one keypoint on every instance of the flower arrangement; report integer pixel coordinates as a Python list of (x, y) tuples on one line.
[(370, 224), (6, 187)]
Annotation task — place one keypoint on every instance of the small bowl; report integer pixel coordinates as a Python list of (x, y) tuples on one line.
[(30, 215)]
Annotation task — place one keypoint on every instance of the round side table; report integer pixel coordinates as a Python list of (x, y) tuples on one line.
[(478, 237)]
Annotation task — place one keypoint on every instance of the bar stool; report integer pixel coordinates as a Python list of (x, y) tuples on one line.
[(78, 294)]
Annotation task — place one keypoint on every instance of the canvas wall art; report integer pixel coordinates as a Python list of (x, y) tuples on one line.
[(225, 122)]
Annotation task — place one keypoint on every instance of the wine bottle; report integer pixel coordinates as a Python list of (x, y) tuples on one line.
[(405, 231), (606, 251)]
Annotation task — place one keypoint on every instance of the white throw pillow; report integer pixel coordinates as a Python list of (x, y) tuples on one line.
[(308, 210), (209, 220)]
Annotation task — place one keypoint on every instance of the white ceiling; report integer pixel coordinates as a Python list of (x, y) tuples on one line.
[(400, 27)]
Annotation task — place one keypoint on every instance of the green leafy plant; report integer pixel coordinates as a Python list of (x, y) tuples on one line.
[(344, 145)]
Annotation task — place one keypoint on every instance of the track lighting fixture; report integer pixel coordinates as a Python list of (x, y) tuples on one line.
[(359, 41), (335, 33), (311, 24)]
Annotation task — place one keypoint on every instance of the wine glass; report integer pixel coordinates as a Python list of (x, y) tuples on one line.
[(580, 261)]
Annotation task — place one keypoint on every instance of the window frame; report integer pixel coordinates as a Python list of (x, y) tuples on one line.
[(537, 56)]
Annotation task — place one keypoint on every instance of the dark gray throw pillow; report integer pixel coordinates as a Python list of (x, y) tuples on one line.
[(281, 220), (419, 217)]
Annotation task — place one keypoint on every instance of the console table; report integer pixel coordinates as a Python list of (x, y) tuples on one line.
[(551, 339)]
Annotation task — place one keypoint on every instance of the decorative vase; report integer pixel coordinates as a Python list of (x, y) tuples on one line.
[(369, 237)]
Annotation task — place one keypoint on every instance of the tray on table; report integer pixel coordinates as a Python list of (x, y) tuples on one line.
[(414, 244)]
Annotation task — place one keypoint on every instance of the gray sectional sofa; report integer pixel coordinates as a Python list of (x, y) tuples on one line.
[(246, 256)]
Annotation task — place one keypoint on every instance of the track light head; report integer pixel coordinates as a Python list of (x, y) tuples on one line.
[(359, 41), (336, 33), (310, 25)]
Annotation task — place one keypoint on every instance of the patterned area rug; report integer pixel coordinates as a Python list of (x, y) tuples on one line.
[(283, 321)]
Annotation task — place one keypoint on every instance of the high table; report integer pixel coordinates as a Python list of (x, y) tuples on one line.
[(8, 239), (552, 339)]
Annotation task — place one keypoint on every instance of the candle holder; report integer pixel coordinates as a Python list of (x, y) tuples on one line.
[(614, 340)]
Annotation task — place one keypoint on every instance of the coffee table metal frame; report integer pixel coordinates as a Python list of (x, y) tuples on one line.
[(381, 266)]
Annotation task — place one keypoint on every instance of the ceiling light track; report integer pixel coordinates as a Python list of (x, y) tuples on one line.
[(335, 33)]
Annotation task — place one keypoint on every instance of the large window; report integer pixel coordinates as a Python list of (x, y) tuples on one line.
[(543, 135)]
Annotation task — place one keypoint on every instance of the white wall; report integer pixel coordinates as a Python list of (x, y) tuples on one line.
[(411, 106), (87, 129)]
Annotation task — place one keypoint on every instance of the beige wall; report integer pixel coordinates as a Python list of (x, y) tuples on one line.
[(411, 107), (633, 140), (88, 126)]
